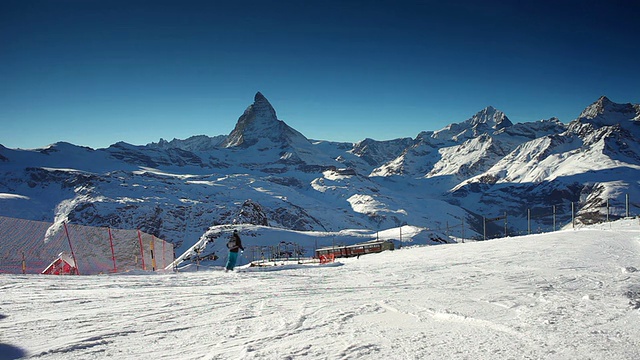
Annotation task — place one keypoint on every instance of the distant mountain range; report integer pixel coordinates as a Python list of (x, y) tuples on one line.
[(266, 173)]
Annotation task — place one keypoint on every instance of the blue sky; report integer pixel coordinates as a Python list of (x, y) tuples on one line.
[(95, 72)]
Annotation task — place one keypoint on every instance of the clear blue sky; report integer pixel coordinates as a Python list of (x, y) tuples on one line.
[(94, 72)]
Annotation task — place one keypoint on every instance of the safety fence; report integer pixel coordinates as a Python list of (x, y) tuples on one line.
[(29, 247), (282, 251), (539, 219)]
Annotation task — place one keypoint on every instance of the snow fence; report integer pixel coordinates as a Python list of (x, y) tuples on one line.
[(28, 247)]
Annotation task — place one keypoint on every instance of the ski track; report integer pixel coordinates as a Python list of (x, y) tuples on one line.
[(569, 295)]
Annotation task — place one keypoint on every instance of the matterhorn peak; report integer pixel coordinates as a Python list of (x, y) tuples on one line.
[(259, 97), (262, 106), (260, 123), (257, 118)]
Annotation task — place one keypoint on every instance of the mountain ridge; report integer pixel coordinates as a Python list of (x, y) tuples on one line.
[(483, 166)]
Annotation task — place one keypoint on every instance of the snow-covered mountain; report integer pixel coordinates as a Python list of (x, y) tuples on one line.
[(468, 148), (266, 173), (596, 159)]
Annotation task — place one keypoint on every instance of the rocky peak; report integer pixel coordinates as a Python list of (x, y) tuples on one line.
[(193, 143), (257, 118), (605, 112), (486, 121), (251, 212), (261, 108), (597, 108), (259, 122), (492, 117), (377, 153)]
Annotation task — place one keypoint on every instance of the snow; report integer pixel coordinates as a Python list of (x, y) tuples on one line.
[(147, 170), (366, 204), (13, 196), (571, 294)]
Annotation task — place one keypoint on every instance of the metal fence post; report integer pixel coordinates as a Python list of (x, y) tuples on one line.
[(73, 255), (484, 228), (505, 224), (141, 250), (113, 254)]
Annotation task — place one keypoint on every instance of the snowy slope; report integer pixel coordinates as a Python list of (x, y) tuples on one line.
[(563, 295)]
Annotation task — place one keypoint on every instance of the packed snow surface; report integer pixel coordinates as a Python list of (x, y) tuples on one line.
[(571, 294)]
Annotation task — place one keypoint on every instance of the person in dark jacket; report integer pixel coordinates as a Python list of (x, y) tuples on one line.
[(234, 245)]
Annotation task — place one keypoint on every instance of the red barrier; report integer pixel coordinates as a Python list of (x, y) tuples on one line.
[(324, 259), (95, 248)]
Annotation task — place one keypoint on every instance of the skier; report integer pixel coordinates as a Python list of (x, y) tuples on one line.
[(234, 245)]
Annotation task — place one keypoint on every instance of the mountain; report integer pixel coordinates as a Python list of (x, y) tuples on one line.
[(486, 121), (466, 149), (266, 173), (192, 144), (604, 112), (595, 161), (260, 125)]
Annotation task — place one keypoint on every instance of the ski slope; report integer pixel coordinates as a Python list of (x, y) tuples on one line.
[(571, 294)]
